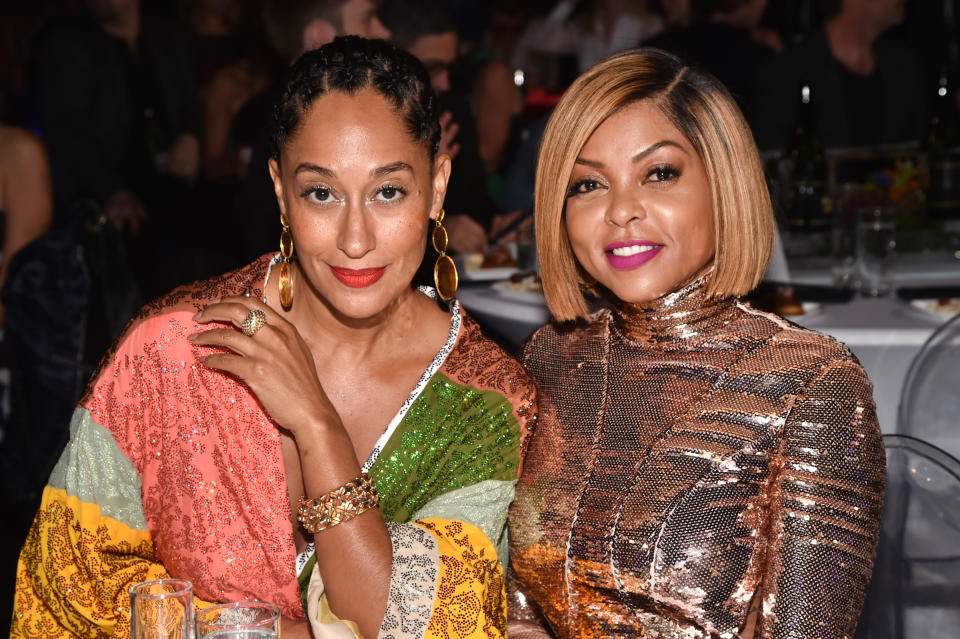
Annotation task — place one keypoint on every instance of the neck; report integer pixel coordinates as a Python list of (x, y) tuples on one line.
[(851, 37), (676, 317), (125, 24)]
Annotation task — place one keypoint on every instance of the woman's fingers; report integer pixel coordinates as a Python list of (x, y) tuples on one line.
[(223, 311), (235, 309), (234, 364), (230, 338)]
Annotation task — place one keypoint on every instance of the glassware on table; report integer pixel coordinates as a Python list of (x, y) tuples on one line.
[(843, 233), (526, 249), (161, 609), (239, 620), (875, 247)]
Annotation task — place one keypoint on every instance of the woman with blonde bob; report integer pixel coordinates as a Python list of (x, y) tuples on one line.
[(700, 468)]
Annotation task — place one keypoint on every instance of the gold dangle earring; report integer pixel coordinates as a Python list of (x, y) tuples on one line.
[(285, 283), (444, 270)]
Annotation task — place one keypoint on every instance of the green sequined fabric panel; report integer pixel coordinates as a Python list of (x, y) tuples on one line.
[(452, 436)]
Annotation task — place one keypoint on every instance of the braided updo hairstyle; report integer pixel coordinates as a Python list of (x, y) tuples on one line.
[(350, 64)]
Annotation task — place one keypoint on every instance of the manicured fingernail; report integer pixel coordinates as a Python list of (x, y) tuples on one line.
[(192, 336)]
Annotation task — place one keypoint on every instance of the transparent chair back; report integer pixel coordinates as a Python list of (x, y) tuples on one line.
[(930, 400), (915, 590)]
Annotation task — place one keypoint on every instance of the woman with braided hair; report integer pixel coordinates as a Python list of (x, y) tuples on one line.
[(309, 430)]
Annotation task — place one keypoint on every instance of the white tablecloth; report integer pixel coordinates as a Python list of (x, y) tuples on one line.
[(885, 334)]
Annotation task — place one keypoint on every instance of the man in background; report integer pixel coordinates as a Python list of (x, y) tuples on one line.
[(866, 89), (427, 30), (120, 116)]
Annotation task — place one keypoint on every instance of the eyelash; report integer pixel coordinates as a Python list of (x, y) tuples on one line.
[(665, 173), (575, 188), (399, 189), (316, 189)]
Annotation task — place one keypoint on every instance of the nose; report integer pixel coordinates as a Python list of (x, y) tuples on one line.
[(356, 237), (625, 207)]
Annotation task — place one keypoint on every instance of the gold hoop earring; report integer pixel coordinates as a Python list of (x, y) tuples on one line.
[(445, 275), (285, 282)]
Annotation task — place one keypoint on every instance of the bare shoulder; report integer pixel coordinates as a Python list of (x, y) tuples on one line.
[(20, 150)]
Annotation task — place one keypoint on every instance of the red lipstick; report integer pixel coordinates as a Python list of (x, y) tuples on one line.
[(633, 254), (358, 277)]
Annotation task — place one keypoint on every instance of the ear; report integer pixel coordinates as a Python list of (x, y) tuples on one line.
[(274, 167), (441, 176), (317, 33)]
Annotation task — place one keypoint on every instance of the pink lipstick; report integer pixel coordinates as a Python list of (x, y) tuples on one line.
[(625, 256), (358, 277)]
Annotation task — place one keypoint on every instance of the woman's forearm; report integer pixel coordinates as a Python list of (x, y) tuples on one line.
[(354, 557)]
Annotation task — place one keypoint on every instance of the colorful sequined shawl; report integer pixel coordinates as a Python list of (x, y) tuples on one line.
[(696, 465), (174, 470)]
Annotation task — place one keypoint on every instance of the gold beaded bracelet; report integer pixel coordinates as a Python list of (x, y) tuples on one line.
[(342, 504)]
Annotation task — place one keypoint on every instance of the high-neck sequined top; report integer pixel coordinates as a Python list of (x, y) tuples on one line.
[(699, 468)]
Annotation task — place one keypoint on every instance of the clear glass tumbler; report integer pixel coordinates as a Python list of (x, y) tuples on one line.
[(876, 244), (239, 620), (161, 609)]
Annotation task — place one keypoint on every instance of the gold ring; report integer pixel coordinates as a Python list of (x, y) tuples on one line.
[(253, 322)]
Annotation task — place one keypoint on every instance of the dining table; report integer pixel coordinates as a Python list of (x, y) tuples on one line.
[(885, 333)]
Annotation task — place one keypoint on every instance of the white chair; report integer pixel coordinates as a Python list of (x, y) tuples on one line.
[(915, 590), (930, 400)]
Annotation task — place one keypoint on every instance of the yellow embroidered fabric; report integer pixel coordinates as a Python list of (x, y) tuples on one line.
[(471, 597), (75, 570)]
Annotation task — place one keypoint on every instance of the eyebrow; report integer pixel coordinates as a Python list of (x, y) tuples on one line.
[(377, 172), (636, 158), (391, 168)]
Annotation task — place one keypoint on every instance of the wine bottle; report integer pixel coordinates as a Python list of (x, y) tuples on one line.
[(942, 143), (808, 205)]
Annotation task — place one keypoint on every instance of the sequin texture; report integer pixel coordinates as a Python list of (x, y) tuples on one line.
[(693, 461)]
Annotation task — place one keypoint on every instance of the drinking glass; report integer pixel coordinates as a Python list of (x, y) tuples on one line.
[(875, 249), (161, 609), (843, 234), (526, 249), (239, 620)]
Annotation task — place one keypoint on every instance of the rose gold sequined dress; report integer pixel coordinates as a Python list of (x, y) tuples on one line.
[(694, 460)]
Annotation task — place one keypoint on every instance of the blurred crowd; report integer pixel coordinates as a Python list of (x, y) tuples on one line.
[(133, 146)]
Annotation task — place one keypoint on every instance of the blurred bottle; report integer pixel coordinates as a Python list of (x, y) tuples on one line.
[(942, 142), (808, 202)]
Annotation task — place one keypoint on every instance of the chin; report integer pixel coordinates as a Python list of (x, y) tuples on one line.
[(363, 303)]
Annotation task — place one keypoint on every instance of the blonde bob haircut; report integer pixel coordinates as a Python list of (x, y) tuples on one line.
[(699, 106)]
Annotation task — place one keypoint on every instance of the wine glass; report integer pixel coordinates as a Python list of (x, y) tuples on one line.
[(239, 620), (161, 609)]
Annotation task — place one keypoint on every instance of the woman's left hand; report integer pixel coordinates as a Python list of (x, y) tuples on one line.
[(274, 362)]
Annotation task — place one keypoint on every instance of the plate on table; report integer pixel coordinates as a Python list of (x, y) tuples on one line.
[(526, 290), (808, 309), (942, 308), (471, 269), (488, 274)]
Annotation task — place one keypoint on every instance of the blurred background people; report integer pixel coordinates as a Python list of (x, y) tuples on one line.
[(588, 30), (26, 194), (867, 89), (121, 119), (231, 63), (428, 31), (291, 27), (721, 39)]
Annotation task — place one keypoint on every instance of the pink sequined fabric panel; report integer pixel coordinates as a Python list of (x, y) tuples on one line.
[(694, 461), (214, 489)]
